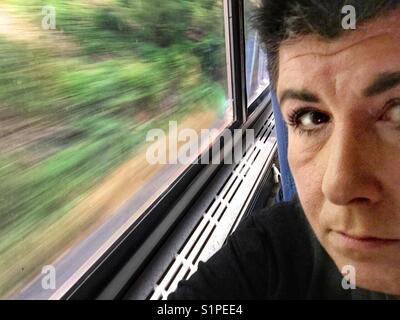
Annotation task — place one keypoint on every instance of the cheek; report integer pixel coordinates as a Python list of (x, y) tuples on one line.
[(388, 172), (307, 169)]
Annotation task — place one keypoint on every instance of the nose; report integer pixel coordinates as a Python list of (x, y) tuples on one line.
[(352, 163)]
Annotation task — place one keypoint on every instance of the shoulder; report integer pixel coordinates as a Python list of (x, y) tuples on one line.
[(269, 256), (281, 237), (284, 222)]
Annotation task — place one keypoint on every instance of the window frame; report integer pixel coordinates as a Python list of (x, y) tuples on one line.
[(257, 101), (143, 287), (111, 275)]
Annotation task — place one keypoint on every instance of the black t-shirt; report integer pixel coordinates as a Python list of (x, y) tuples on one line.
[(273, 254)]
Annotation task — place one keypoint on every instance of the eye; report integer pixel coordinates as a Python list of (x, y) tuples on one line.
[(393, 113), (308, 120)]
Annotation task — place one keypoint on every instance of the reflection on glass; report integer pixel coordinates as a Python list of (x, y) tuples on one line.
[(82, 82), (257, 78)]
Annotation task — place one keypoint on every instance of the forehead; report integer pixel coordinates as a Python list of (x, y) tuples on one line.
[(357, 55)]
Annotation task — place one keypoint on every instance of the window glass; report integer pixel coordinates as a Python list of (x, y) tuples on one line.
[(257, 79), (82, 85)]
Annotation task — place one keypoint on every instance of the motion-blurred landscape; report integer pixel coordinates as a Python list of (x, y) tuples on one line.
[(76, 104)]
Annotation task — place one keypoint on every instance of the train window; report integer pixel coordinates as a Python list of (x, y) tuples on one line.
[(82, 84), (257, 79)]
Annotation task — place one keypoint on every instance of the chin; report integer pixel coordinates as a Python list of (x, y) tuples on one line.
[(373, 274)]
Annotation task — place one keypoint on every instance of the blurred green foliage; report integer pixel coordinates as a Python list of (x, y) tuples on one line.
[(124, 58)]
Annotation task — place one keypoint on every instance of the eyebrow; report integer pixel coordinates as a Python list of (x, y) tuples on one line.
[(383, 82), (303, 95)]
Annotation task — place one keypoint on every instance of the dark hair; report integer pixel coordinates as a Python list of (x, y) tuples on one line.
[(280, 20)]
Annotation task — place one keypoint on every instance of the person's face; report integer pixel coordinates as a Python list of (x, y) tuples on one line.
[(341, 100)]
